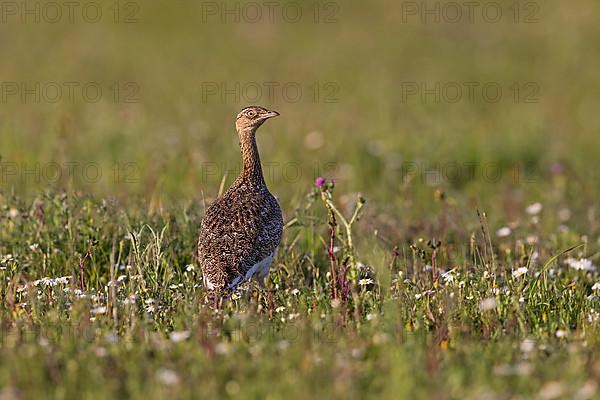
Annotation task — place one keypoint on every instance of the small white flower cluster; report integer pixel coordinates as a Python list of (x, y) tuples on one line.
[(561, 334), (582, 264), (179, 336), (46, 282), (151, 306), (424, 294), (448, 276), (534, 209), (7, 258), (99, 310), (593, 316), (119, 281), (167, 376), (365, 282), (519, 272), (504, 232), (78, 293), (190, 268)]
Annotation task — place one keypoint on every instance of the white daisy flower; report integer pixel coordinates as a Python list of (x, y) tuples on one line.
[(534, 209), (150, 309), (179, 336), (167, 376), (150, 306), (561, 334), (448, 276), (519, 272), (504, 232), (98, 310)]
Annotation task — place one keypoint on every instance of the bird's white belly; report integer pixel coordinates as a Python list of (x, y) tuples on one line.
[(261, 269)]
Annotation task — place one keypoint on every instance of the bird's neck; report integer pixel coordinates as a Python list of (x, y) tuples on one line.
[(252, 170)]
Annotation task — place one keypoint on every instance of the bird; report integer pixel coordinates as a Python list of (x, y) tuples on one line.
[(241, 230)]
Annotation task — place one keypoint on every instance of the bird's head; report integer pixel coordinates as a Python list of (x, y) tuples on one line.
[(250, 118)]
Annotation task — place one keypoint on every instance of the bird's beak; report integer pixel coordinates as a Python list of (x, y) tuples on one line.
[(271, 114)]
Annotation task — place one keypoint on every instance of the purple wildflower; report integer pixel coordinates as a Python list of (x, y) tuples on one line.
[(556, 169), (320, 181)]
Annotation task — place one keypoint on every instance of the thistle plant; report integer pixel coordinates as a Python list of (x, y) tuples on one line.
[(338, 222)]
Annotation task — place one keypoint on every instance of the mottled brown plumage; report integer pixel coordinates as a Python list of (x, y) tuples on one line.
[(241, 230)]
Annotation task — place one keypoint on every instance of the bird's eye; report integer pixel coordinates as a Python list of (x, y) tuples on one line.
[(251, 114)]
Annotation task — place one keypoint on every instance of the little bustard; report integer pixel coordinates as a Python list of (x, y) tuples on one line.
[(241, 230)]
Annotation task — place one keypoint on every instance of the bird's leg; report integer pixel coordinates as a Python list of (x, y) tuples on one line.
[(262, 281), (266, 287)]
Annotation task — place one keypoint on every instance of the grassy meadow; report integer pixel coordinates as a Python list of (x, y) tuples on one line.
[(452, 251)]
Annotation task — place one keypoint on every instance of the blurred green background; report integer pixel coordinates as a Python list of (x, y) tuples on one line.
[(168, 141)]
